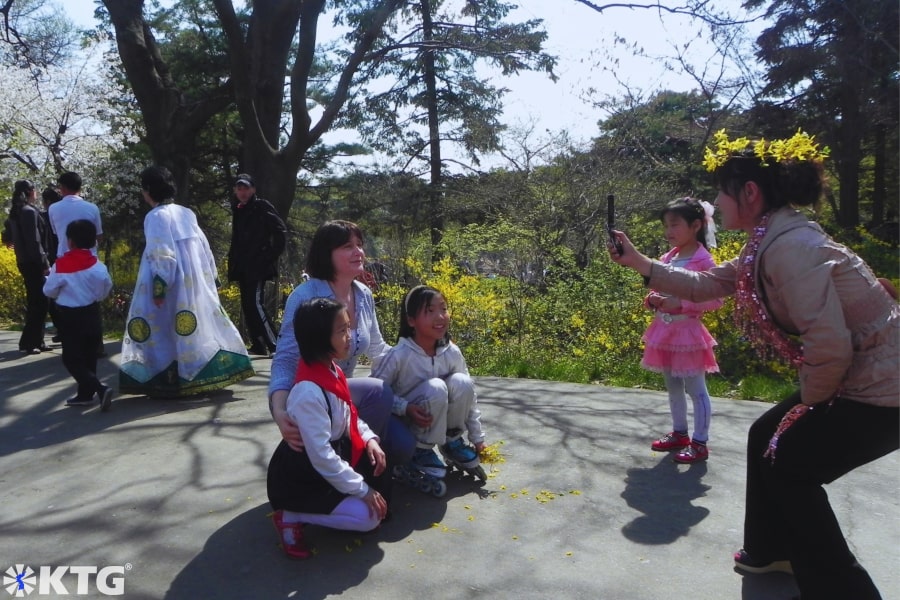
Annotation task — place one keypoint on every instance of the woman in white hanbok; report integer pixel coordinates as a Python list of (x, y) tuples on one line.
[(178, 339)]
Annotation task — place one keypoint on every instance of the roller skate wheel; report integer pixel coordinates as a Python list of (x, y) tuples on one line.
[(425, 486), (439, 489)]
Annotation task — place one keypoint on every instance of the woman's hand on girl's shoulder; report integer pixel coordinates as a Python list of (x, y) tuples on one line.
[(289, 430)]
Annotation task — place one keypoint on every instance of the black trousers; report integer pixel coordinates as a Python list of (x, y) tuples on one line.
[(788, 515), (35, 306), (253, 305), (80, 331)]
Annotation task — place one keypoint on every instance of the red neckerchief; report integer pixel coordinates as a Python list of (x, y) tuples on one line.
[(75, 260), (334, 381)]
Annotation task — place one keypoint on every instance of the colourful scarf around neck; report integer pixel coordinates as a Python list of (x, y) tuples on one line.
[(331, 378), (750, 313)]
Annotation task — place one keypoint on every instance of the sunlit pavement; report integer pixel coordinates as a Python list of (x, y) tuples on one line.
[(167, 499)]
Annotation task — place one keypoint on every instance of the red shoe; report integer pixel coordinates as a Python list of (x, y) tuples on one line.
[(671, 441), (693, 453), (296, 548)]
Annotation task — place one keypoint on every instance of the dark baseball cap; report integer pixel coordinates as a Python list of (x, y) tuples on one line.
[(244, 179)]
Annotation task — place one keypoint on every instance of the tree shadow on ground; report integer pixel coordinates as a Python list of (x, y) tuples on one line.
[(243, 558), (46, 421), (664, 495)]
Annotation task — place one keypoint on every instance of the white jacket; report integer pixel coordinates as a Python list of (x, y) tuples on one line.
[(406, 365), (306, 405)]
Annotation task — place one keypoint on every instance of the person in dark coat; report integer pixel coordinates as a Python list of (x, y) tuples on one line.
[(258, 237), (27, 233)]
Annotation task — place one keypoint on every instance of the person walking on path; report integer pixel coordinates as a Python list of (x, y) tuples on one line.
[(78, 282), (258, 237), (71, 207), (178, 340), (28, 234), (677, 343), (802, 298)]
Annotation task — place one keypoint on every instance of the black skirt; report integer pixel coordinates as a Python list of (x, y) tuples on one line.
[(294, 484)]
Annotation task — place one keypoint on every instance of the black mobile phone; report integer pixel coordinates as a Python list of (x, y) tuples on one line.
[(611, 223)]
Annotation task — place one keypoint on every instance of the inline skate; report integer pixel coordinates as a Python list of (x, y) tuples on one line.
[(425, 472), (463, 457)]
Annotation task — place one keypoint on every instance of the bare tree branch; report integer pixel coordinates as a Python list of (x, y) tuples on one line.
[(698, 9)]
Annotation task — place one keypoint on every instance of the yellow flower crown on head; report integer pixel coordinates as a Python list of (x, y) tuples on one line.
[(801, 146)]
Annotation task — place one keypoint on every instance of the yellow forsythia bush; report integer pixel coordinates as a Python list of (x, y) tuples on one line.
[(12, 289)]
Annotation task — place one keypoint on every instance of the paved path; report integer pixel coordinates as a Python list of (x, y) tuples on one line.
[(174, 492)]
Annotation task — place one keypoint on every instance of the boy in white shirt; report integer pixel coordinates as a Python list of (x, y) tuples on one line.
[(78, 281)]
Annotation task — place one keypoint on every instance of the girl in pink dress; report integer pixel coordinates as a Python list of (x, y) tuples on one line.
[(676, 343)]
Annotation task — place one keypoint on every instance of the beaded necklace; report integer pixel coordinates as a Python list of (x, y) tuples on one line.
[(750, 314)]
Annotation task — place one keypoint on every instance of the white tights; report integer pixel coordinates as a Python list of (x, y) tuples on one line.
[(351, 514)]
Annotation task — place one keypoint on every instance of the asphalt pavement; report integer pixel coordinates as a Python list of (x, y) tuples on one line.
[(167, 500)]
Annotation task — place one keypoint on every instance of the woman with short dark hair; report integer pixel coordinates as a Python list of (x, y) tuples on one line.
[(335, 260)]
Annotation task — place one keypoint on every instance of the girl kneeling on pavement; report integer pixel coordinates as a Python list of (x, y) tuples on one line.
[(339, 479)]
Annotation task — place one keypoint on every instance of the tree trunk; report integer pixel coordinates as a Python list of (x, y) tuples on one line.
[(435, 189), (171, 123), (879, 178), (259, 69)]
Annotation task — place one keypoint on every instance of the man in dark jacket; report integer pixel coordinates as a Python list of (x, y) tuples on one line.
[(257, 240)]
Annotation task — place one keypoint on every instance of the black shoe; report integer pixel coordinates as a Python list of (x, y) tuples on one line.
[(76, 401), (44, 348), (28, 351), (105, 396), (55, 339)]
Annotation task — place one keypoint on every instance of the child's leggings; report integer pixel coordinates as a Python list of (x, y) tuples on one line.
[(352, 514), (695, 386)]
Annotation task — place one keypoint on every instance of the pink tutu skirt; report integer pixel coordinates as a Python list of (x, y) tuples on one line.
[(682, 347)]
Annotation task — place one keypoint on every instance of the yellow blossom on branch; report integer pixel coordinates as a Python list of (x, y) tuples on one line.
[(800, 147)]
